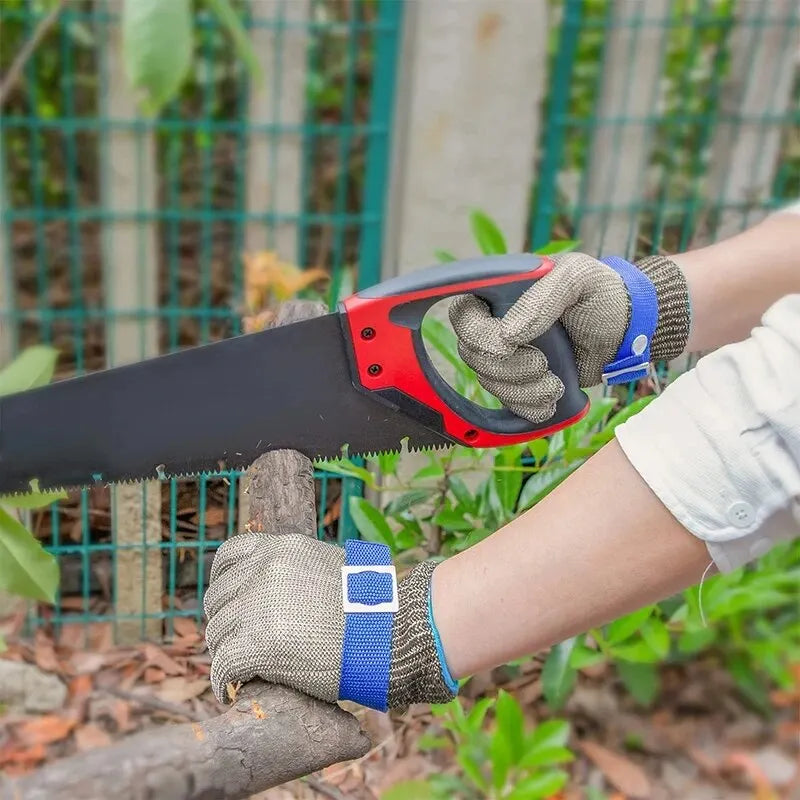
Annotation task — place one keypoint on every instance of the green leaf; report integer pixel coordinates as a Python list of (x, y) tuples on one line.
[(639, 652), (156, 48), (472, 769), (408, 500), (624, 627), (641, 680), (462, 493), (547, 757), (452, 520), (348, 469), (32, 368), (748, 683), (488, 236), (26, 568), (387, 462), (478, 713), (409, 790), (541, 483), (442, 339), (655, 633), (510, 723), (430, 742), (557, 246), (444, 256), (370, 522), (691, 642), (500, 757), (552, 733), (538, 449), (434, 470), (583, 656), (230, 20), (544, 784), (507, 484), (558, 677)]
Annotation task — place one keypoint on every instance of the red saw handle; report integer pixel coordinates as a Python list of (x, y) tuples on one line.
[(389, 360)]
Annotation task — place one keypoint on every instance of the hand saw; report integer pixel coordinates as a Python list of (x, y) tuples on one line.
[(357, 379)]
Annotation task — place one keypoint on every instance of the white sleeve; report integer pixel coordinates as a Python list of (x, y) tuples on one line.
[(721, 446)]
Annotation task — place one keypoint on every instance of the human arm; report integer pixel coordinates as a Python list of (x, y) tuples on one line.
[(573, 562), (709, 470), (732, 282)]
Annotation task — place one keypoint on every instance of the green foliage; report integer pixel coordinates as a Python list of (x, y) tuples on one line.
[(156, 48), (26, 568), (158, 43), (503, 759)]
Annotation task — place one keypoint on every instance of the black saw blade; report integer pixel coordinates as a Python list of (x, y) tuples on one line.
[(199, 410)]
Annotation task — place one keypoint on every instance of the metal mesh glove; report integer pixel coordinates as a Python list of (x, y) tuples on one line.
[(591, 302), (274, 609)]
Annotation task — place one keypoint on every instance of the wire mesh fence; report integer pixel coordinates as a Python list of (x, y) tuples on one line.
[(667, 124)]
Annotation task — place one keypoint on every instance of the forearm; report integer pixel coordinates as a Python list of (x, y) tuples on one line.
[(733, 282), (574, 561)]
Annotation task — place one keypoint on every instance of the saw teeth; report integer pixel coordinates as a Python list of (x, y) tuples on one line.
[(162, 475)]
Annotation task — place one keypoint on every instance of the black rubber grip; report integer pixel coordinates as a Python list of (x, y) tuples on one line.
[(453, 278)]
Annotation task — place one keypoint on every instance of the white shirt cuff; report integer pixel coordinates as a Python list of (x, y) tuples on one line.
[(721, 446)]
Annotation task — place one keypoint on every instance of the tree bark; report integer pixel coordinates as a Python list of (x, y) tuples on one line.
[(269, 736)]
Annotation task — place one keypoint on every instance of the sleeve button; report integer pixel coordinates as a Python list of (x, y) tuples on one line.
[(741, 514)]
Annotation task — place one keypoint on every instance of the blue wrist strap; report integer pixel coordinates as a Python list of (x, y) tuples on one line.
[(633, 357), (369, 589)]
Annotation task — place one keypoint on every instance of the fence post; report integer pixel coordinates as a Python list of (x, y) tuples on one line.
[(469, 89), (471, 80), (130, 273), (615, 183), (275, 157), (756, 105)]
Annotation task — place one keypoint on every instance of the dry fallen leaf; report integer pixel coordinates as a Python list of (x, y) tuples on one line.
[(214, 516), (19, 760), (80, 686), (156, 657), (45, 730), (748, 765), (266, 277), (44, 653), (85, 662), (185, 627), (154, 675), (620, 771), (89, 737), (179, 690)]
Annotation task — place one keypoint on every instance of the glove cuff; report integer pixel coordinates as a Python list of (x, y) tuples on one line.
[(418, 672), (674, 311)]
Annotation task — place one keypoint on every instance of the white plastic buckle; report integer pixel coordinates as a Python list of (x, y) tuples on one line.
[(651, 372), (379, 608)]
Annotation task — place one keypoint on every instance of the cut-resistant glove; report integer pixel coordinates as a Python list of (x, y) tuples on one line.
[(619, 318), (275, 609)]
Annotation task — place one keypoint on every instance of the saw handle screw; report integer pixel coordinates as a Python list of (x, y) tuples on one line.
[(471, 434), (368, 333), (374, 369)]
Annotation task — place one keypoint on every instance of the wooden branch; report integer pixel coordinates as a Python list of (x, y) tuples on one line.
[(269, 736)]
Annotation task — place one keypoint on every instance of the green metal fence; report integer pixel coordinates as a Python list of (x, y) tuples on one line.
[(633, 160), (55, 128)]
